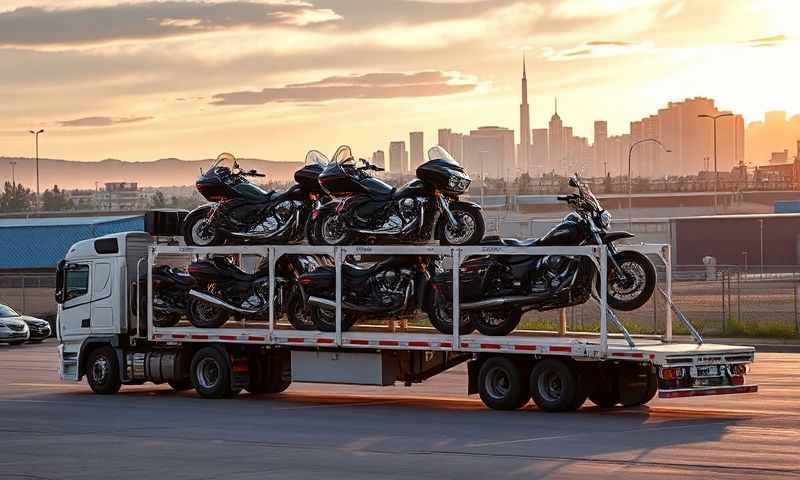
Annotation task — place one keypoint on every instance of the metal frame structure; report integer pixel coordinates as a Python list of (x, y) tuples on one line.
[(577, 346)]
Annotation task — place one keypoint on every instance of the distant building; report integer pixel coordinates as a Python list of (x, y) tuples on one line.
[(121, 196), (457, 146), (444, 138), (417, 153), (539, 151), (398, 158), (779, 157), (524, 148), (556, 143), (600, 147), (379, 158), (498, 143)]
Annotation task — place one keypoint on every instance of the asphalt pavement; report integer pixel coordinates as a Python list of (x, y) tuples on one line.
[(53, 430)]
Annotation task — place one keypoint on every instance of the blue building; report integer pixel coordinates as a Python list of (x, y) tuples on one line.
[(40, 243)]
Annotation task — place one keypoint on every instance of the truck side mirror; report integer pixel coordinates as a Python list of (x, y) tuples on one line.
[(60, 282)]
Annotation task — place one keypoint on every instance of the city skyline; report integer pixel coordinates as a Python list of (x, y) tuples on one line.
[(274, 79)]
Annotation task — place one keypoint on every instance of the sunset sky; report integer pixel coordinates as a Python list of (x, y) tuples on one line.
[(140, 80)]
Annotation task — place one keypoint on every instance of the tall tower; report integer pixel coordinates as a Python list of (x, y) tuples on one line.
[(524, 149), (556, 143)]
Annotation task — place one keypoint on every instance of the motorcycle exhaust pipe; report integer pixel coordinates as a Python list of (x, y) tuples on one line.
[(321, 302), (497, 302), (331, 305), (221, 303)]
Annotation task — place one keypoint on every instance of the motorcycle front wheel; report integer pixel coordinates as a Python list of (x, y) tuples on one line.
[(469, 228), (198, 231), (330, 229), (498, 323), (440, 314), (298, 312), (636, 287)]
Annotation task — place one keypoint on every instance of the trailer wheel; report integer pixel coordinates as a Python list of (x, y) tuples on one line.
[(605, 392), (554, 386), (638, 385), (102, 371), (267, 375), (180, 385), (211, 373), (502, 384)]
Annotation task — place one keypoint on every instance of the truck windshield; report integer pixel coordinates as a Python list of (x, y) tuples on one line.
[(6, 311)]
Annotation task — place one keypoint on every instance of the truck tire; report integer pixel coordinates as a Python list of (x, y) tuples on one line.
[(267, 375), (554, 386), (210, 372), (102, 371), (605, 392), (180, 385), (637, 385), (502, 384)]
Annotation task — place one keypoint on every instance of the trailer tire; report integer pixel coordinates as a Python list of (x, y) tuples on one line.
[(210, 373), (102, 371), (605, 392), (180, 385), (637, 386), (267, 378), (502, 384), (554, 386)]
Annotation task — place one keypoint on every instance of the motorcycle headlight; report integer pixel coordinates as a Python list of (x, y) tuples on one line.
[(605, 219), (458, 183)]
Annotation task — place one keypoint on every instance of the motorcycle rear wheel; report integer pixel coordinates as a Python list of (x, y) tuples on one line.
[(498, 323), (197, 232), (205, 315), (441, 317), (325, 319), (298, 312), (166, 319)]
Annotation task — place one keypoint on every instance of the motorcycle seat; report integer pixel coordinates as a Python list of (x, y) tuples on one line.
[(177, 275), (350, 270), (509, 242), (230, 268)]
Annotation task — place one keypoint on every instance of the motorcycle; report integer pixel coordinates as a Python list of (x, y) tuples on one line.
[(170, 292), (371, 211), (496, 290), (223, 289), (242, 212), (388, 288)]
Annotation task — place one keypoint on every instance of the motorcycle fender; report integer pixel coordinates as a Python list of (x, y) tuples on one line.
[(327, 207), (611, 237), (205, 206)]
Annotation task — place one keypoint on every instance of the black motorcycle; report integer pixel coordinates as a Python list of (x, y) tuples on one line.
[(388, 288), (242, 212), (372, 211), (170, 294), (496, 290), (223, 289)]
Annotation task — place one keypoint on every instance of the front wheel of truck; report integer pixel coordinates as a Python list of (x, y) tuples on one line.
[(102, 371)]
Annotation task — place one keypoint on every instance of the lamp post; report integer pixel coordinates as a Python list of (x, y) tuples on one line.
[(630, 151), (716, 172), (36, 135)]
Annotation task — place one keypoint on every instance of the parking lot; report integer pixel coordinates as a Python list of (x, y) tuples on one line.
[(50, 430)]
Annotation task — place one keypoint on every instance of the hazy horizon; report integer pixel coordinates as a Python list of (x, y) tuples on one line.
[(142, 79)]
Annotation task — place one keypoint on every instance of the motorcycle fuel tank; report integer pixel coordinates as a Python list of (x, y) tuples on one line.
[(568, 232)]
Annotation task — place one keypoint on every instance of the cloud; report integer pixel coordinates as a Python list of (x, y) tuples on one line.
[(91, 25), (370, 85), (772, 41), (101, 121), (597, 49)]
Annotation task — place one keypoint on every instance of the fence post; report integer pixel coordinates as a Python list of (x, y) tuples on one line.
[(724, 312), (796, 319)]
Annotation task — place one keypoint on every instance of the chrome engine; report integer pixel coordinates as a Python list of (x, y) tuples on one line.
[(280, 218), (393, 287)]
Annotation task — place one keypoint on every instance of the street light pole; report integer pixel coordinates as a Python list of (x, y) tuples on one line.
[(716, 172), (630, 151), (36, 135)]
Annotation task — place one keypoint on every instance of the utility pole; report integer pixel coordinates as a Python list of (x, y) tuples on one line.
[(716, 172), (36, 134), (630, 151), (13, 176)]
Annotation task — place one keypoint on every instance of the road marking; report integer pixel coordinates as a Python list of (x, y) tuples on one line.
[(633, 430)]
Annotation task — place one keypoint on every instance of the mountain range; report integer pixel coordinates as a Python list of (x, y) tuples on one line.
[(70, 174)]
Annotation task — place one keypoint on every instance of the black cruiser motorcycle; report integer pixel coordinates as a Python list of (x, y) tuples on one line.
[(496, 290), (369, 210), (170, 294), (223, 289), (242, 212), (389, 288)]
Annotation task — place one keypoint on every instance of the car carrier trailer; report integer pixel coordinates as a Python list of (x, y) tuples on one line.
[(105, 336)]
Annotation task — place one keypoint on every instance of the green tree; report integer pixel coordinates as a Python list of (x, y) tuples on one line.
[(158, 200), (55, 200), (15, 199)]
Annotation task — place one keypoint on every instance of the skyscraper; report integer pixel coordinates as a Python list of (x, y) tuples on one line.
[(539, 151), (415, 143), (600, 148), (444, 138), (524, 148), (498, 143), (379, 158), (398, 158), (556, 143)]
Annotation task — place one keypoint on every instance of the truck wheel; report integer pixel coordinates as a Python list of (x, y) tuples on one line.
[(637, 386), (102, 371), (205, 315), (267, 375), (211, 372), (605, 393), (554, 386), (502, 384), (180, 385)]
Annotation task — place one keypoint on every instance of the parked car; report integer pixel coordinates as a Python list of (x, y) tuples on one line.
[(36, 329)]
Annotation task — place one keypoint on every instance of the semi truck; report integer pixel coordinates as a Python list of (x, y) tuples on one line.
[(107, 335)]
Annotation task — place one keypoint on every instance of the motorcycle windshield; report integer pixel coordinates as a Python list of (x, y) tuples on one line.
[(437, 152), (591, 198), (315, 157), (343, 155), (224, 159)]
